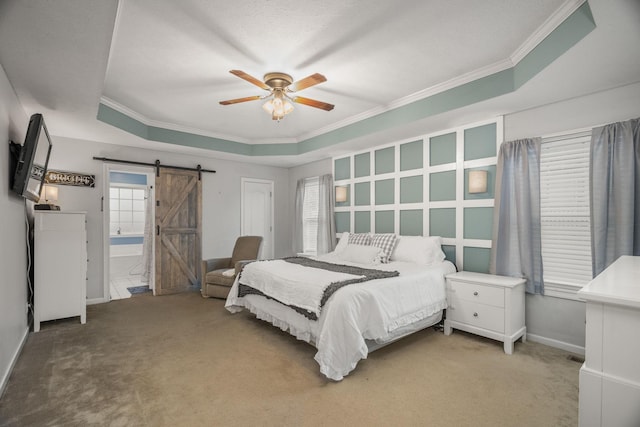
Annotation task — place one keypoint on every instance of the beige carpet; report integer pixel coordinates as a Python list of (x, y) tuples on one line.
[(185, 361)]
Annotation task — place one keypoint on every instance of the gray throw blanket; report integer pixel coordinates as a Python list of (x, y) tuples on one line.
[(365, 273)]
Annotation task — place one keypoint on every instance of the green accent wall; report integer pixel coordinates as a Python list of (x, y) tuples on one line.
[(385, 160), (342, 169), (362, 195), (478, 223), (442, 186), (411, 190), (362, 221), (385, 222), (362, 165), (411, 155), (411, 222), (442, 149), (442, 222), (385, 192), (480, 142), (477, 259), (343, 222)]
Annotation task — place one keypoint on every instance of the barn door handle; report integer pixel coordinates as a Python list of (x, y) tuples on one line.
[(157, 230)]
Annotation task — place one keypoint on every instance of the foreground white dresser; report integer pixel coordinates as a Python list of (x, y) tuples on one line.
[(610, 375), (487, 305), (60, 266)]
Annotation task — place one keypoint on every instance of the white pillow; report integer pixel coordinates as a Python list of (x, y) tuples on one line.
[(418, 249), (361, 254), (342, 243)]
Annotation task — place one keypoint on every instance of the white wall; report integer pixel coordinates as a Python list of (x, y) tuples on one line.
[(220, 197), (13, 250)]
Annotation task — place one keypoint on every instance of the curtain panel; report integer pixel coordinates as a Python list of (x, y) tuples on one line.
[(516, 248), (326, 220), (615, 192), (298, 231)]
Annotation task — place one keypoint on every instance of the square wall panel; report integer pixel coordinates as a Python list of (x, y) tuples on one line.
[(480, 142), (385, 192), (411, 189), (442, 149), (385, 222), (362, 196), (362, 222), (343, 222), (476, 259), (385, 160), (449, 253), (442, 186), (442, 222), (478, 223), (348, 201), (362, 164), (411, 155), (411, 222), (342, 168), (491, 183)]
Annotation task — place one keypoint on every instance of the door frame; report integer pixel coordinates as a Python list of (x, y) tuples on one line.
[(243, 181), (106, 217)]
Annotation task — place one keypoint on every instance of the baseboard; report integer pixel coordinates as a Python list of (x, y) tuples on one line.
[(97, 301), (14, 359), (572, 348)]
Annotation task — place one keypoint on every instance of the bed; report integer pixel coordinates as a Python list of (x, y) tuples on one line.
[(392, 291)]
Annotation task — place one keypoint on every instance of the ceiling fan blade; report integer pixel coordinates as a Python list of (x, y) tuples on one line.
[(237, 100), (312, 80), (250, 79), (313, 103)]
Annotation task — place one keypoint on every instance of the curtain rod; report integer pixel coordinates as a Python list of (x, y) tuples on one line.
[(157, 165)]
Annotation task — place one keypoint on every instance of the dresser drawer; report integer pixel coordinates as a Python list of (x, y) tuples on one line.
[(476, 292), (476, 314)]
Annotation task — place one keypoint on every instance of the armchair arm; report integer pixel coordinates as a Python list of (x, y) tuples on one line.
[(240, 264), (215, 264)]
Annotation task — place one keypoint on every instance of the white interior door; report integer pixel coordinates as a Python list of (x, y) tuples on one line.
[(257, 213)]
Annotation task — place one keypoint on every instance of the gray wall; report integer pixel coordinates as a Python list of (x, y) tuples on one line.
[(13, 250), (220, 197)]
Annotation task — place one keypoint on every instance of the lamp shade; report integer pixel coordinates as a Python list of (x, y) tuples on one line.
[(341, 194), (477, 181), (49, 194)]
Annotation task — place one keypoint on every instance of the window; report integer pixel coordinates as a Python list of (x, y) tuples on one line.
[(310, 215), (126, 204), (565, 216)]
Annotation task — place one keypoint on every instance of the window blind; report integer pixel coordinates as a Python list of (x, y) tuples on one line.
[(310, 215), (564, 206)]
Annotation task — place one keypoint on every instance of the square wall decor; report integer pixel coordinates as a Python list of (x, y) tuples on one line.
[(385, 160), (343, 222), (385, 192), (411, 189), (385, 222), (362, 195), (442, 186), (362, 220), (480, 142), (342, 169), (442, 149), (411, 155), (362, 164), (411, 222)]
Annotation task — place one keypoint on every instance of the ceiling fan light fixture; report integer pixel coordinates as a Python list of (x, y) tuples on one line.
[(278, 106)]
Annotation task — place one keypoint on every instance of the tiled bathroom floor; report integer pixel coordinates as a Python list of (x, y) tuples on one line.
[(119, 286)]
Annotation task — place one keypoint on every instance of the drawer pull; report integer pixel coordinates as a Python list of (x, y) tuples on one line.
[(475, 314), (475, 293)]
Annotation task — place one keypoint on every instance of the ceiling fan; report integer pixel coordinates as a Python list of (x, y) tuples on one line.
[(281, 87)]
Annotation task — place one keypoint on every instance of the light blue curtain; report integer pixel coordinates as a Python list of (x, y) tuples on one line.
[(516, 249), (326, 222), (615, 192)]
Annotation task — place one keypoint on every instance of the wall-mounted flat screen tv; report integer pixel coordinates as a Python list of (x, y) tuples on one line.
[(33, 160)]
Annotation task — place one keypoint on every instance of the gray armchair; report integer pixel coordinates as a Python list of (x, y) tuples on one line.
[(216, 277)]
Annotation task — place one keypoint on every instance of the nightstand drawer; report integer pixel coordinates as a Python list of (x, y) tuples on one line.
[(475, 314), (477, 293)]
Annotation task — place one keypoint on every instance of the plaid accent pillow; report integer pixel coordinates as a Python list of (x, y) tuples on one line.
[(360, 239), (386, 242)]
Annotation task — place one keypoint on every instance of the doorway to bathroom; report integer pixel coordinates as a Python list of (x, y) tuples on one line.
[(129, 216)]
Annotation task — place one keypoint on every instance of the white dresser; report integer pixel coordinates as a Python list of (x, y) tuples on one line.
[(610, 375), (60, 266), (487, 305)]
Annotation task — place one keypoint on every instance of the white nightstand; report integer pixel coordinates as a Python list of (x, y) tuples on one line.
[(487, 305)]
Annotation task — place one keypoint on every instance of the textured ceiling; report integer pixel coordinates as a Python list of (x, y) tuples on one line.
[(165, 64)]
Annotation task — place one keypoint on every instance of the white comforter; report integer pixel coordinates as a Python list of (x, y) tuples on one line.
[(370, 310)]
